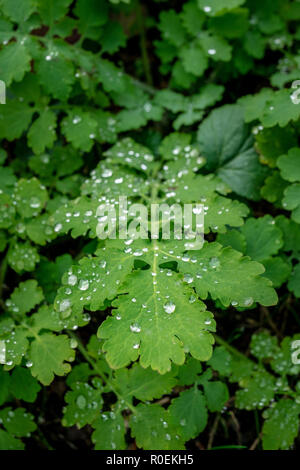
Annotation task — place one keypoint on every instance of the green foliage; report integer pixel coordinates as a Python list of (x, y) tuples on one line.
[(192, 102), (275, 392)]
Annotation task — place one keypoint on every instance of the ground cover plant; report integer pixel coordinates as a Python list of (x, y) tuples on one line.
[(149, 343)]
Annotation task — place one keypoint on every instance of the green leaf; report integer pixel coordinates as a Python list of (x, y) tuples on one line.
[(91, 13), (18, 10), (5, 385), (273, 189), (39, 230), (48, 356), (233, 238), (25, 297), (181, 78), (15, 62), (56, 75), (49, 274), (8, 442), (192, 18), (221, 360), (83, 404), (160, 432), (206, 271), (129, 153), (14, 347), (189, 372), (228, 148), (30, 197), (7, 211), (15, 118), (216, 395), (257, 391), (233, 24), (22, 257), (42, 132), (162, 306), (23, 385), (290, 231), (289, 165), (45, 319), (215, 47), (270, 24), (79, 215), (189, 413), (194, 60), (280, 110), (277, 270), (93, 281), (263, 345), (219, 212), (111, 77), (80, 129), (281, 426), (146, 384), (109, 432), (281, 362), (255, 44), (17, 423), (214, 7), (7, 179), (294, 281), (254, 105), (53, 10), (263, 238), (107, 127), (113, 38), (208, 96), (171, 28), (291, 201)]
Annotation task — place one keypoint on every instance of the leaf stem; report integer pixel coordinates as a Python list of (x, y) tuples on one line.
[(94, 365), (230, 348), (143, 44), (235, 352), (3, 270)]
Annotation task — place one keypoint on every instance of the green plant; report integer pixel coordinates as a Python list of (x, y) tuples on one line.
[(124, 330)]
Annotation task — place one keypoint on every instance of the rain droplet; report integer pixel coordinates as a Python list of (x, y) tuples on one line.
[(169, 307), (135, 328), (248, 302), (83, 284), (72, 280), (81, 402), (57, 228), (188, 278)]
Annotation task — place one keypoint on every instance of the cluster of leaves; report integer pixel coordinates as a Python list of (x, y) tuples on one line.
[(167, 428), (143, 367), (269, 383)]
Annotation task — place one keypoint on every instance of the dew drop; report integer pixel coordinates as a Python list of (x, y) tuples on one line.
[(135, 328), (169, 307), (57, 228), (83, 284), (72, 280), (188, 278), (248, 302), (81, 402)]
